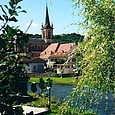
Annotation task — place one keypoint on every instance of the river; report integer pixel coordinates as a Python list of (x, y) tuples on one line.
[(61, 91)]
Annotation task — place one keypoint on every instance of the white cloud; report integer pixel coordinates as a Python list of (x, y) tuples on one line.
[(32, 25)]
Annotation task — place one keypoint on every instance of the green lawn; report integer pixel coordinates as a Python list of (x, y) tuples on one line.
[(57, 80)]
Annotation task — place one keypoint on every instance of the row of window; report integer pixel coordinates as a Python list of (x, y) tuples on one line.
[(35, 47)]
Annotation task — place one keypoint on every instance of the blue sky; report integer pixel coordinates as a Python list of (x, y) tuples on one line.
[(60, 13)]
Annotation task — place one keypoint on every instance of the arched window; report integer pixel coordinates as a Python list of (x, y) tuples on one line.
[(41, 47), (35, 47), (38, 47), (44, 47), (32, 47)]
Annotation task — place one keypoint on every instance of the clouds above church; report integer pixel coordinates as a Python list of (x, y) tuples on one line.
[(33, 24)]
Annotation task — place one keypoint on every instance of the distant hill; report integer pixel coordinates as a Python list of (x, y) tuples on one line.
[(68, 38), (34, 35), (64, 38)]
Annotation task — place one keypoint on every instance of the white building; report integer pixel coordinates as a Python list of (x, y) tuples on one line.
[(34, 65)]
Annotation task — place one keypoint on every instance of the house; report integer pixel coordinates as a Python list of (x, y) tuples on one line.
[(65, 68), (34, 65), (56, 54)]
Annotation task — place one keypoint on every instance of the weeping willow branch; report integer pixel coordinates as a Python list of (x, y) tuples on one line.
[(3, 79), (70, 56)]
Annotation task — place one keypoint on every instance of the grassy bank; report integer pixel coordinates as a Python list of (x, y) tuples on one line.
[(56, 80)]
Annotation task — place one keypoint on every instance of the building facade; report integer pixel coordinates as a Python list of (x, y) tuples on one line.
[(34, 65)]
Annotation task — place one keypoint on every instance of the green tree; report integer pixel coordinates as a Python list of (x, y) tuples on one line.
[(12, 71), (98, 50)]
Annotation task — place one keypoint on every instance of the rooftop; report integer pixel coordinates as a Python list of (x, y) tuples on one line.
[(56, 50)]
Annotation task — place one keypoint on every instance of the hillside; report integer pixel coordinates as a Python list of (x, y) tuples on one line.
[(68, 38)]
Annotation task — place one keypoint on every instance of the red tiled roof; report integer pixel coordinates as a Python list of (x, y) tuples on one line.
[(51, 48), (57, 50), (65, 47)]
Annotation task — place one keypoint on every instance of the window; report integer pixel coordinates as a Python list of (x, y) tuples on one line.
[(49, 34), (35, 47), (68, 66), (32, 47), (34, 68), (43, 34), (38, 47), (44, 47)]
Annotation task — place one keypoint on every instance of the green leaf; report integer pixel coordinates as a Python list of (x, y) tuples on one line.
[(13, 19), (11, 4), (19, 7), (12, 12), (24, 11)]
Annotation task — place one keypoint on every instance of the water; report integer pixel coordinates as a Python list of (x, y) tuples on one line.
[(61, 91), (58, 91)]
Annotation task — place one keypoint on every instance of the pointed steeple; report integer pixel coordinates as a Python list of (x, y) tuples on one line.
[(47, 29), (47, 21)]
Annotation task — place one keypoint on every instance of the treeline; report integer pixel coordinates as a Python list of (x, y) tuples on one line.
[(63, 38), (68, 38), (34, 35)]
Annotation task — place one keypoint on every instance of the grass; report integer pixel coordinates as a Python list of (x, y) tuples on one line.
[(38, 102), (42, 102), (57, 80)]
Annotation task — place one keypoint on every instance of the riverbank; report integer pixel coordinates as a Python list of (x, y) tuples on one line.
[(56, 80)]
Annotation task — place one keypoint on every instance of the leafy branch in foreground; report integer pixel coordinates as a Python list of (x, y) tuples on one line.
[(97, 81), (12, 43)]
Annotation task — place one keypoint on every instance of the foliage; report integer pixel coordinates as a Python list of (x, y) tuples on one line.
[(44, 85), (42, 102), (68, 38), (61, 60), (98, 51), (33, 36), (71, 111), (11, 39), (38, 101)]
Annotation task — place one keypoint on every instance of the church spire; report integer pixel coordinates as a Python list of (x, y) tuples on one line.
[(47, 21), (47, 29)]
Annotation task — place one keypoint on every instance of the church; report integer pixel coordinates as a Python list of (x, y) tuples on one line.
[(38, 45)]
